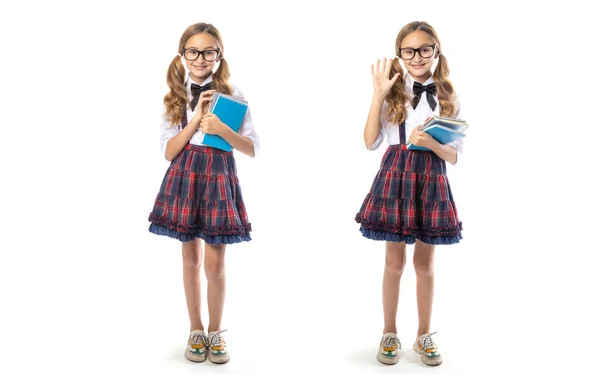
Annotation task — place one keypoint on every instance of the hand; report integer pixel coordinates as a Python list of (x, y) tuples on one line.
[(421, 139), (381, 76), (203, 104), (212, 125)]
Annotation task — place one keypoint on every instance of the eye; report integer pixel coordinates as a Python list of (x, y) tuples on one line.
[(426, 50)]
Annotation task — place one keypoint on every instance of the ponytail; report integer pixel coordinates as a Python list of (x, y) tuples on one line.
[(176, 100), (397, 96), (446, 95), (221, 78)]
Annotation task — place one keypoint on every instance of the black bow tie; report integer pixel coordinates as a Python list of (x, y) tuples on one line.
[(196, 91), (419, 88)]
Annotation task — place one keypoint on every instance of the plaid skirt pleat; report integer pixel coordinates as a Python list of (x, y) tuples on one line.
[(200, 196), (410, 200)]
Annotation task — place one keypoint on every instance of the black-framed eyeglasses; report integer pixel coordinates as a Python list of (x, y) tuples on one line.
[(208, 55), (425, 52)]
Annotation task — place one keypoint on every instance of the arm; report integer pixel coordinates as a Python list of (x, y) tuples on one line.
[(372, 126), (445, 152), (457, 144), (241, 143), (381, 85), (173, 142), (179, 141), (212, 125), (245, 141)]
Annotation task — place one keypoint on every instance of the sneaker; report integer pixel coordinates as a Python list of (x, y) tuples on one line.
[(196, 348), (428, 350), (388, 349), (217, 351)]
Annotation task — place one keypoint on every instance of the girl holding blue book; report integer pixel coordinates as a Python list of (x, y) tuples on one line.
[(200, 196), (410, 201)]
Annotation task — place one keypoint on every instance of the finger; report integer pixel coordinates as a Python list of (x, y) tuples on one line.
[(395, 77), (377, 66), (205, 98), (372, 71), (383, 64), (388, 67)]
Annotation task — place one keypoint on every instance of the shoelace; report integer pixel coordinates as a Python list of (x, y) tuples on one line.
[(427, 342), (215, 338), (391, 341), (199, 338)]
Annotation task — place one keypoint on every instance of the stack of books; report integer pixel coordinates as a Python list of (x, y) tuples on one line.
[(231, 111), (442, 129)]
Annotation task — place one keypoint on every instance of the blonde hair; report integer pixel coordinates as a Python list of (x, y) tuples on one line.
[(176, 100), (397, 97)]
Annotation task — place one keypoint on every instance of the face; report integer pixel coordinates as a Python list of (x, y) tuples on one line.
[(202, 66), (418, 43)]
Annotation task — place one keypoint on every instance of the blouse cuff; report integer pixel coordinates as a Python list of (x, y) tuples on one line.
[(459, 148), (256, 143), (377, 142)]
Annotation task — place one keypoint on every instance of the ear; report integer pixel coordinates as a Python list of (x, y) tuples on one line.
[(437, 54)]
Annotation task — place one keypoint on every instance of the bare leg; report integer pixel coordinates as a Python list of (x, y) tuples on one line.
[(192, 260), (395, 259), (214, 267), (423, 263)]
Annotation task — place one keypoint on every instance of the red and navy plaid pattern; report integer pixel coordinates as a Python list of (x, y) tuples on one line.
[(200, 196), (410, 199)]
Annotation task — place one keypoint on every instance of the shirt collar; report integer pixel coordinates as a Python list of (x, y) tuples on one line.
[(189, 81), (409, 81)]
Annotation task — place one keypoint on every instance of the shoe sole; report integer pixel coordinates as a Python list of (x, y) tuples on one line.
[(387, 360), (428, 361), (194, 357), (219, 359)]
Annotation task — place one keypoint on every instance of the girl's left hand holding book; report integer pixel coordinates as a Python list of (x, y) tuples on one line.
[(421, 139), (212, 125)]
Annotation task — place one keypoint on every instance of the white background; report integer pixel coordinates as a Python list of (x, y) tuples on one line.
[(88, 294)]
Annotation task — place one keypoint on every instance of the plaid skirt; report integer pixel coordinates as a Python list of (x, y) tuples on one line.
[(200, 196), (410, 200)]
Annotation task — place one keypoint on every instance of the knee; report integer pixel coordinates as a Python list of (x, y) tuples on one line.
[(423, 267), (215, 271), (394, 265), (192, 258)]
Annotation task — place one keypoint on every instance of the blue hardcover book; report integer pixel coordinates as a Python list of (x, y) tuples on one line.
[(442, 129), (231, 111)]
